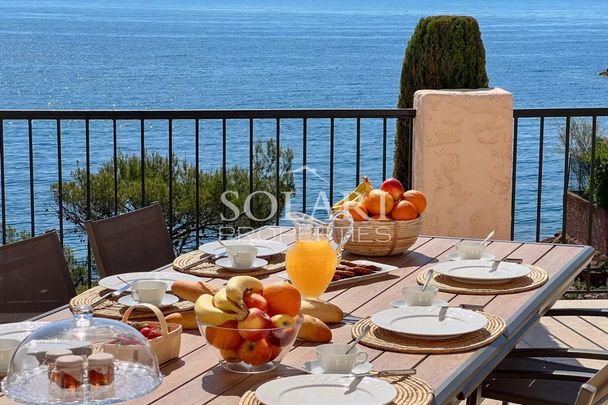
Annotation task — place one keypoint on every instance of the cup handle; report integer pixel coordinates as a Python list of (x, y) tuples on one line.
[(361, 360), (135, 295)]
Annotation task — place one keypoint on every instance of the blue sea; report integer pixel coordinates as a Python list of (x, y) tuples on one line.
[(58, 54)]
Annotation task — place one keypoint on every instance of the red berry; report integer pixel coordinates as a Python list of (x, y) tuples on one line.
[(154, 333), (145, 331)]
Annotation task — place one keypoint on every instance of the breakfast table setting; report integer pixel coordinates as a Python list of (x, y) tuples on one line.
[(294, 314)]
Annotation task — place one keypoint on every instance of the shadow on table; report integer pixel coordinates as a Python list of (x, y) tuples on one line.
[(218, 381)]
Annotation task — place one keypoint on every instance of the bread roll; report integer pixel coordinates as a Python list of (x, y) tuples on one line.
[(191, 290), (186, 319), (325, 311), (314, 330)]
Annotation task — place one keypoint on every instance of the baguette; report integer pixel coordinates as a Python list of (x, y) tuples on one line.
[(325, 311), (191, 290), (186, 319)]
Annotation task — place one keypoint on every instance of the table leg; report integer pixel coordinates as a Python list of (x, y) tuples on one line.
[(475, 397)]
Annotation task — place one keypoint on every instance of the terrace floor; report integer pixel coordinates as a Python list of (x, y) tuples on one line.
[(570, 331)]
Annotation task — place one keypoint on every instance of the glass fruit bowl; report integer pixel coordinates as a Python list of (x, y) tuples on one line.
[(252, 350), (82, 360)]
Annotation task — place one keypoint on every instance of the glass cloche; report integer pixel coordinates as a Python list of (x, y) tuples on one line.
[(82, 360)]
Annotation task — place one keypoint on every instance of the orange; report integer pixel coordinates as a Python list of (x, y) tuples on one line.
[(356, 210), (224, 339), (404, 210), (379, 202), (417, 198), (282, 298)]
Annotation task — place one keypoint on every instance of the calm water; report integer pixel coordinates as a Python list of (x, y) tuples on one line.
[(217, 54)]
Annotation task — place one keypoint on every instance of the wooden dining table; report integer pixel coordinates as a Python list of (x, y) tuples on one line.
[(196, 378)]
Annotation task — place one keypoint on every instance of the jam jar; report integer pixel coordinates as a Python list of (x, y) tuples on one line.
[(100, 369), (51, 356), (68, 371)]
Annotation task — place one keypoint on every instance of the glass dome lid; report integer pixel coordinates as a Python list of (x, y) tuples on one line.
[(82, 360)]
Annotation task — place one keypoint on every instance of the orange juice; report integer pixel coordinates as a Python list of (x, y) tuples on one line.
[(311, 264)]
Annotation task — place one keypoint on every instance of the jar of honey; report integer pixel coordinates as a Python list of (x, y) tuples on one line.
[(100, 369), (51, 356), (68, 371)]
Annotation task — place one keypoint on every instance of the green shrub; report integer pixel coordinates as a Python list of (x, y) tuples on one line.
[(444, 52)]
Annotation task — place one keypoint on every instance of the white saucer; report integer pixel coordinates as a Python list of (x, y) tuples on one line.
[(484, 256), (168, 300), (224, 262), (400, 303), (313, 367)]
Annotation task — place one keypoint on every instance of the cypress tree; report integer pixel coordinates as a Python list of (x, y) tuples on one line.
[(444, 52)]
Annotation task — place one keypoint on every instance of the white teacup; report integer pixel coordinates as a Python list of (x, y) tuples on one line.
[(470, 250), (241, 255), (7, 348), (333, 358), (414, 296), (149, 291)]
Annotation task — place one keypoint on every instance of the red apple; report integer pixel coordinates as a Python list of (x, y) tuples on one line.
[(255, 300), (393, 187), (231, 356), (257, 319), (274, 352), (255, 353), (284, 336)]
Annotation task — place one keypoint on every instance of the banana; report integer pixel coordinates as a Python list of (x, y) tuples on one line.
[(221, 301), (238, 286), (358, 194), (208, 314)]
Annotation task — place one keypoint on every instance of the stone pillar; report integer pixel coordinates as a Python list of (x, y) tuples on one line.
[(463, 160)]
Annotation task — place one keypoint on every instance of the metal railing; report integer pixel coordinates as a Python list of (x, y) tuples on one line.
[(55, 123), (535, 122)]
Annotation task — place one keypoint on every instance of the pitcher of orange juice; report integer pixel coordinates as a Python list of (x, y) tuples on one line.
[(311, 261)]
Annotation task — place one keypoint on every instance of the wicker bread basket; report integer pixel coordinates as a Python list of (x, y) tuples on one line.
[(383, 238), (165, 347)]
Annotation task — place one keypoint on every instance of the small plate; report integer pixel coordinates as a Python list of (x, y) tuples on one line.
[(113, 283), (335, 389), (480, 271), (128, 301), (265, 247), (484, 256), (430, 322), (313, 367), (400, 303), (224, 262)]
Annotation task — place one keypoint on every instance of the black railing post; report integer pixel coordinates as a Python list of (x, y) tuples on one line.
[(331, 161), (514, 176), (143, 162), (30, 137), (170, 135), (2, 182), (115, 164), (304, 170), (87, 141), (277, 180), (384, 123), (566, 180), (540, 177), (197, 202), (358, 165)]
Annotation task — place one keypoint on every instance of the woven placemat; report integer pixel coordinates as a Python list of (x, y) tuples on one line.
[(110, 308), (535, 279), (379, 338), (275, 264), (410, 391)]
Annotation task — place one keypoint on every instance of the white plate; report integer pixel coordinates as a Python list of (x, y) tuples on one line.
[(481, 271), (19, 330), (400, 303), (484, 256), (224, 262), (265, 247), (386, 268), (128, 301), (113, 283), (430, 322), (313, 367), (335, 389)]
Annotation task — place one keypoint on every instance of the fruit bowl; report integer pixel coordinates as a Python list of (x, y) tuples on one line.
[(383, 237), (250, 350)]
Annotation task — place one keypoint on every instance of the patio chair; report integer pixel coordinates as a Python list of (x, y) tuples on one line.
[(34, 278), (537, 376), (135, 241)]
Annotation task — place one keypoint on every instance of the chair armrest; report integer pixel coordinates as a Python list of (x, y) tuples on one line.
[(561, 353), (561, 375), (577, 312)]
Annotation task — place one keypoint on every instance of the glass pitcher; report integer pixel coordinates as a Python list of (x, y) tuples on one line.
[(311, 261)]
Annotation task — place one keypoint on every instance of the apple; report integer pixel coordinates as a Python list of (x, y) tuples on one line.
[(274, 352), (255, 353), (257, 319), (393, 187), (231, 356), (286, 334), (255, 300), (224, 336)]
